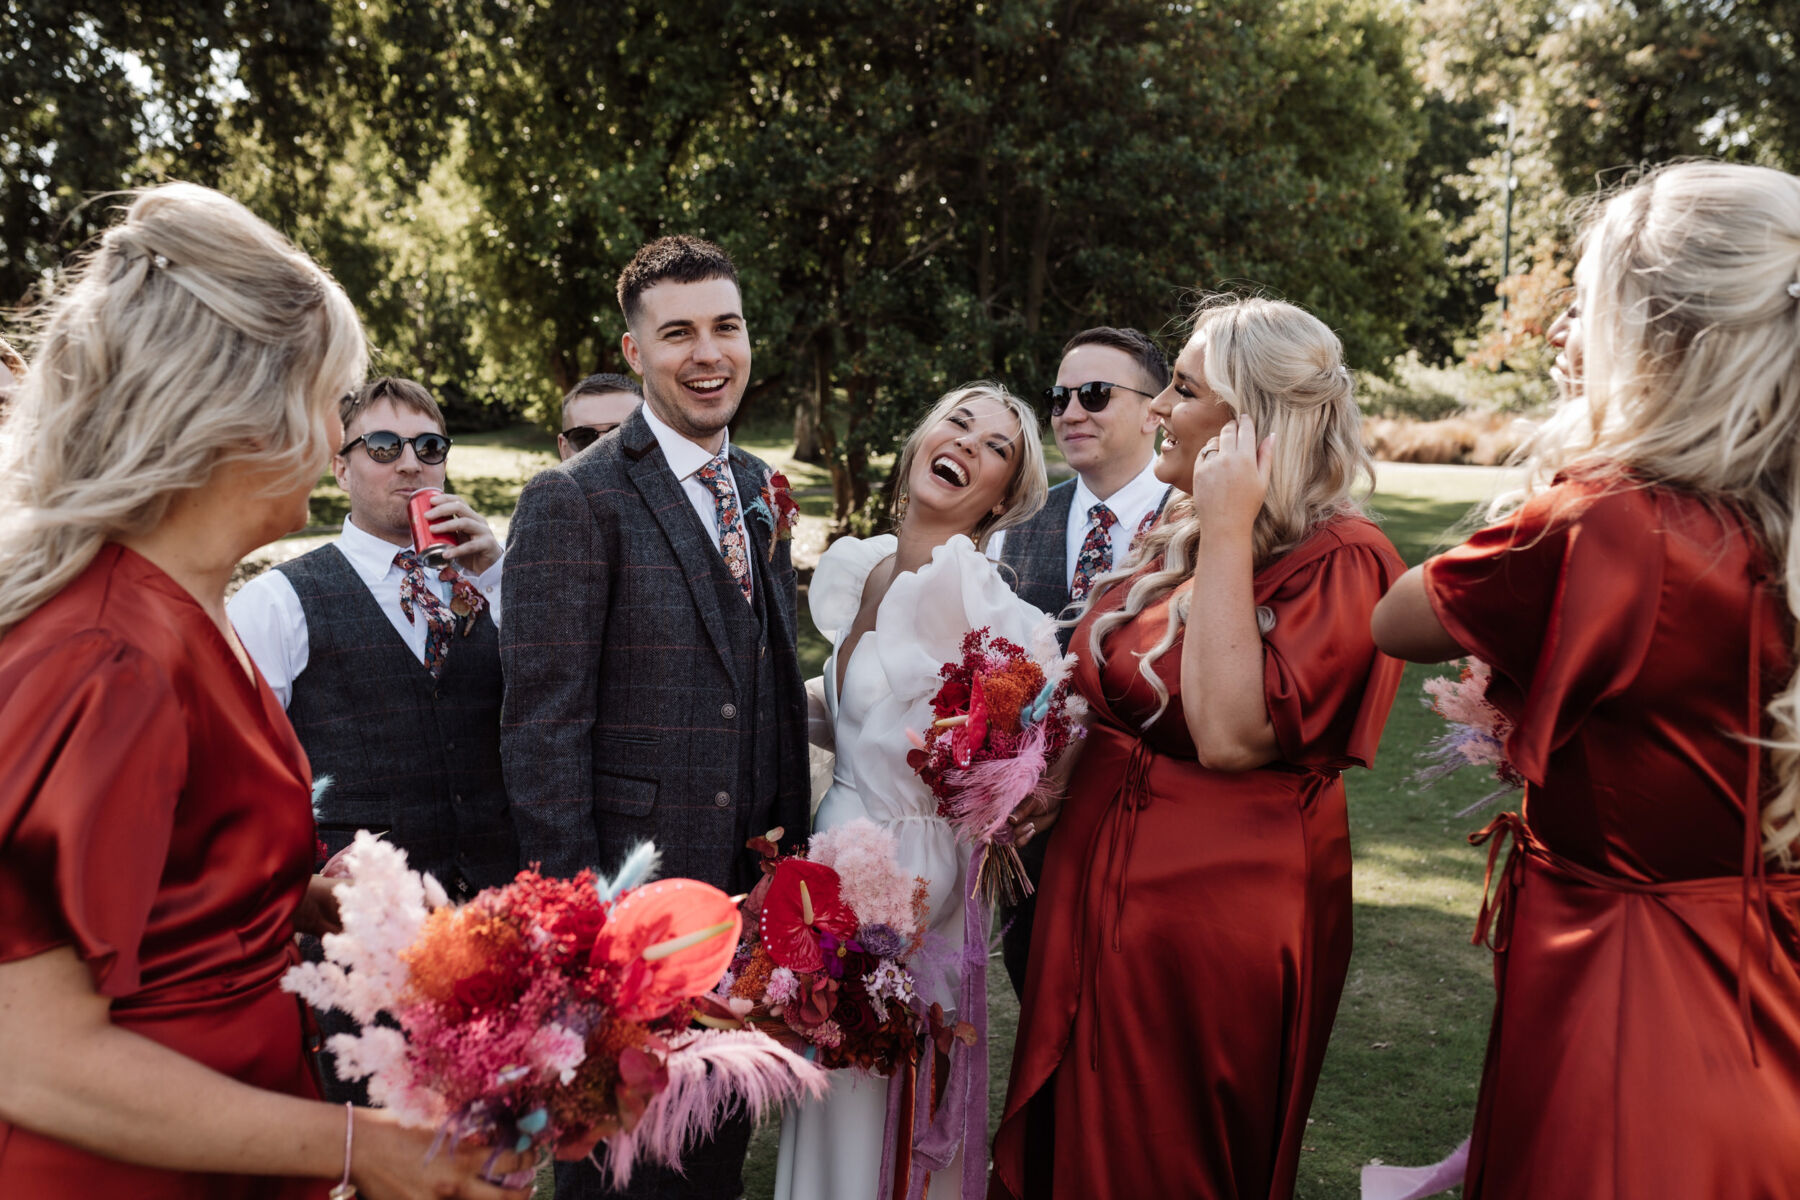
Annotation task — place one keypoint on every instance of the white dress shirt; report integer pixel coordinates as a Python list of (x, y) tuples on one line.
[(685, 458), (1130, 504), (271, 624)]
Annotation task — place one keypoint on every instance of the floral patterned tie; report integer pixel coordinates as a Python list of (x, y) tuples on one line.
[(1144, 526), (416, 589), (1096, 557), (715, 475)]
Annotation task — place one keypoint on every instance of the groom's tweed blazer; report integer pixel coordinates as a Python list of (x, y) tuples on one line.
[(644, 698)]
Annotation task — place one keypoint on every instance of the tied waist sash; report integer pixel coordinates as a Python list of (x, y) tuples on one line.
[(227, 985)]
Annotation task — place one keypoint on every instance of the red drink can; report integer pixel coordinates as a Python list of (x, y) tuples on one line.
[(430, 546)]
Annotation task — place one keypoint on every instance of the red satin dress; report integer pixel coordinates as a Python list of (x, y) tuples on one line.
[(155, 816), (1646, 1036), (1193, 926)]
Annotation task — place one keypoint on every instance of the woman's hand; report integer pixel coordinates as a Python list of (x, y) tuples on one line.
[(1231, 477), (389, 1162), (318, 911), (1039, 811)]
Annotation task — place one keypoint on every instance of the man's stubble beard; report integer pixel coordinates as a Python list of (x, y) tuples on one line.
[(676, 418)]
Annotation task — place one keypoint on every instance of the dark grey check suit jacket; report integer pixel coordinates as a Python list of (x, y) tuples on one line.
[(628, 680)]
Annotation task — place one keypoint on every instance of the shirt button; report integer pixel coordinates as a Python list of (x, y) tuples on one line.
[(728, 711), (723, 799)]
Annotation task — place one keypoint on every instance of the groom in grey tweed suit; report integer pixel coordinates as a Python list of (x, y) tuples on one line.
[(652, 686)]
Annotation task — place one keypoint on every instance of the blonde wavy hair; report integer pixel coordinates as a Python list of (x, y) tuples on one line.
[(1025, 491), (1284, 368), (191, 335), (1689, 291)]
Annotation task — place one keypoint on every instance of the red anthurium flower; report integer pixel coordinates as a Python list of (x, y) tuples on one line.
[(971, 735), (803, 902), (673, 939)]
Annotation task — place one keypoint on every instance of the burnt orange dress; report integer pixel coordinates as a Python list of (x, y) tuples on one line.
[(1646, 1036), (1193, 926), (155, 816)]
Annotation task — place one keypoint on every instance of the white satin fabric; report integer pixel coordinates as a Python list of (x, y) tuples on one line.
[(831, 1149)]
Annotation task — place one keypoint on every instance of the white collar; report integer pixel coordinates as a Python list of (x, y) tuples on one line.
[(370, 556), (683, 454), (1129, 502)]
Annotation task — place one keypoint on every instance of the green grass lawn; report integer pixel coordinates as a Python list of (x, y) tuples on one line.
[(1400, 1078)]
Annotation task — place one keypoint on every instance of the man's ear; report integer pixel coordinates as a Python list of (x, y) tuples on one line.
[(633, 358), (339, 467)]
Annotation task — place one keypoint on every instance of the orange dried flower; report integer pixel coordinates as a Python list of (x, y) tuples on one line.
[(1009, 690), (754, 978), (457, 944)]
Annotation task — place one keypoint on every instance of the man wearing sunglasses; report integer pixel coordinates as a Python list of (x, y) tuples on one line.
[(594, 408), (1100, 413), (389, 669)]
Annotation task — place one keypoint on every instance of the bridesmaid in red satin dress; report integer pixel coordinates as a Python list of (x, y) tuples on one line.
[(1646, 1034), (156, 833), (1193, 930)]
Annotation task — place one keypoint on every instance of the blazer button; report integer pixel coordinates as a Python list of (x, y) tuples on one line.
[(723, 799), (728, 711)]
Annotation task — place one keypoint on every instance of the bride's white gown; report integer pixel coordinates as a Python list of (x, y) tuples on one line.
[(831, 1149)]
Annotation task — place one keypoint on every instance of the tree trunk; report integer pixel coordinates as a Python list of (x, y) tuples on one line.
[(1038, 269), (809, 413)]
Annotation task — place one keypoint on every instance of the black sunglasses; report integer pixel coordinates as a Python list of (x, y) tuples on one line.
[(1093, 396), (583, 436), (384, 446)]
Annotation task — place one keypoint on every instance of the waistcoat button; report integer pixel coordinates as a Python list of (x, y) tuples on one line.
[(723, 799), (728, 712)]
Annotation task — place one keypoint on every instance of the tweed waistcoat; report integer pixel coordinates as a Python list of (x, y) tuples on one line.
[(412, 756), (1038, 552)]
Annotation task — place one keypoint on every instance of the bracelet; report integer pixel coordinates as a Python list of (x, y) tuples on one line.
[(345, 1190)]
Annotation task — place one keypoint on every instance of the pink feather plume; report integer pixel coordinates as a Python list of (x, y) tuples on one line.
[(711, 1072), (987, 792)]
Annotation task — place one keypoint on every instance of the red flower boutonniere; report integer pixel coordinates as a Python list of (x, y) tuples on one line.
[(777, 509)]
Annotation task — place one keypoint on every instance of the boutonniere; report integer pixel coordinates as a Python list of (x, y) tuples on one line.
[(776, 509), (466, 600)]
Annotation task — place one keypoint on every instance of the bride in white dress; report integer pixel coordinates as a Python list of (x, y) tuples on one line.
[(896, 609)]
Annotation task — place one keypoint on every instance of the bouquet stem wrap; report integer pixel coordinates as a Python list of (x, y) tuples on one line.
[(930, 1118)]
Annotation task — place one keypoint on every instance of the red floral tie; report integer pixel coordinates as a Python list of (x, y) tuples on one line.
[(731, 525), (416, 589), (1096, 557)]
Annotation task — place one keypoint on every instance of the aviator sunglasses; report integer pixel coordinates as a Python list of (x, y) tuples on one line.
[(1093, 396), (384, 446), (583, 436)]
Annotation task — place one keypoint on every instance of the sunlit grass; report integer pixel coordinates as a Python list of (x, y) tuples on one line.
[(1400, 1078)]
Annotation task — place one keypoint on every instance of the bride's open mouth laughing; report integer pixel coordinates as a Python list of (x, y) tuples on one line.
[(950, 471)]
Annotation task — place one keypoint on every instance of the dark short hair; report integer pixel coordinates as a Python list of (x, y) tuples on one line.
[(1150, 358), (605, 383), (401, 393), (680, 259)]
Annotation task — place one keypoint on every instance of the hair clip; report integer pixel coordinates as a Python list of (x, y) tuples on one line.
[(160, 261)]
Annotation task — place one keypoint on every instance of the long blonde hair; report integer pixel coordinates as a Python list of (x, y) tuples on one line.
[(1689, 288), (1284, 368), (191, 335), (1025, 491)]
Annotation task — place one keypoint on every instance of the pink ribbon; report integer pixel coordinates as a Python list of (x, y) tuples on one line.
[(960, 1122), (1415, 1183)]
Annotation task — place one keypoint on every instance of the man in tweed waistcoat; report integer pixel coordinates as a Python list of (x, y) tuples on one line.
[(1100, 413), (393, 693), (652, 686)]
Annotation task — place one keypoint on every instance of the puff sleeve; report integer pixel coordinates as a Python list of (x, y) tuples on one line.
[(96, 758), (1561, 600)]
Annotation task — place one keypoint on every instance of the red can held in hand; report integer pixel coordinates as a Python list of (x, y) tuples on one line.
[(430, 546)]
